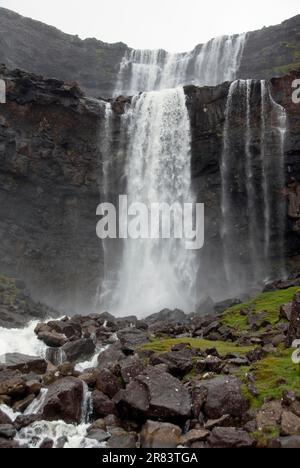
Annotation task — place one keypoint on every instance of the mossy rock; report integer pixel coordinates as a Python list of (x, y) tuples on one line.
[(8, 291), (273, 376), (269, 303)]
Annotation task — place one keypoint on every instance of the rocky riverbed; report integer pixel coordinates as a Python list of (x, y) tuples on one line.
[(220, 378)]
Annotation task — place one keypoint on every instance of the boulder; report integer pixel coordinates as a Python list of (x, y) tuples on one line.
[(111, 356), (168, 315), (52, 339), (7, 431), (108, 383), (195, 435), (131, 338), (23, 363), (178, 363), (290, 424), (22, 405), (294, 328), (292, 442), (4, 419), (131, 367), (286, 311), (230, 437), (269, 416), (102, 405), (157, 435), (224, 397), (120, 439), (80, 350), (12, 383), (64, 401), (155, 394), (8, 444)]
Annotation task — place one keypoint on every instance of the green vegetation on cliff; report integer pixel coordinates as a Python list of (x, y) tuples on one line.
[(269, 303)]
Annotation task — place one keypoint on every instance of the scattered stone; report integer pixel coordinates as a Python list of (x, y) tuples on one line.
[(12, 383), (195, 435), (131, 367), (155, 395), (121, 439), (221, 422), (7, 431), (102, 405), (54, 340), (131, 338), (230, 437), (23, 363), (294, 328), (160, 435), (80, 350), (224, 397), (269, 416), (21, 406)]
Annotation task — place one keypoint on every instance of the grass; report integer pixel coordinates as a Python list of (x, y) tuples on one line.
[(269, 302), (223, 348), (273, 375)]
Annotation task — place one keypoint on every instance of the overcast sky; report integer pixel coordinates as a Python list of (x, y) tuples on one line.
[(175, 25)]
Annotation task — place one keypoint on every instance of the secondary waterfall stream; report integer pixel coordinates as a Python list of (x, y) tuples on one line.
[(210, 64), (253, 171)]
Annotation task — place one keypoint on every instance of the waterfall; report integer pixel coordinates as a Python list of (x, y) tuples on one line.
[(252, 172), (210, 64), (219, 60), (157, 273)]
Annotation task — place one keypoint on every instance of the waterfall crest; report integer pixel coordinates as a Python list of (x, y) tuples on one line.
[(210, 64), (251, 171)]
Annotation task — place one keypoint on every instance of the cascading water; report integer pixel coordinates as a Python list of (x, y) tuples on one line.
[(252, 170), (209, 64), (219, 60), (157, 273)]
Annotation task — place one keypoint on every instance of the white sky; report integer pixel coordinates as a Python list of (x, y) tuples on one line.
[(175, 25)]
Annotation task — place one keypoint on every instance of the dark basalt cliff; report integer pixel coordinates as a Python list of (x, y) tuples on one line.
[(38, 48), (49, 165), (207, 113), (50, 180)]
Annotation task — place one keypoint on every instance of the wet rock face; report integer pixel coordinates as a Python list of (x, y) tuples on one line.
[(49, 168)]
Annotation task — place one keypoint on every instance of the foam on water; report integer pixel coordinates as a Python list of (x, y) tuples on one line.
[(23, 341)]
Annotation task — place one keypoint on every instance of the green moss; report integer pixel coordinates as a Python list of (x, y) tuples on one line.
[(273, 375), (269, 302), (223, 348), (8, 290)]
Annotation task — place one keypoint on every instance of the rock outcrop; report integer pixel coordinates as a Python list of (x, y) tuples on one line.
[(42, 49)]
